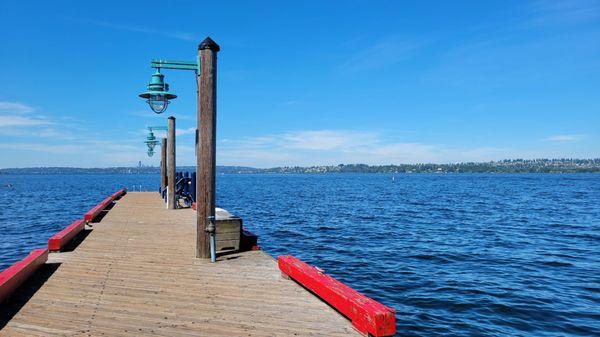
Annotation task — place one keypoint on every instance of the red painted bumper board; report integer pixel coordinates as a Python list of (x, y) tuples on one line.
[(58, 241), (92, 213), (12, 277), (366, 314), (119, 193)]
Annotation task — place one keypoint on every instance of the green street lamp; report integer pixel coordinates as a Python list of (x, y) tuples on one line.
[(151, 141), (157, 96)]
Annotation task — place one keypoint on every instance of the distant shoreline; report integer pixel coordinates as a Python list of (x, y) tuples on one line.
[(556, 166)]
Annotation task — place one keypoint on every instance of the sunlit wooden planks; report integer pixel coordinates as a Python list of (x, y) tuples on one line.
[(136, 274)]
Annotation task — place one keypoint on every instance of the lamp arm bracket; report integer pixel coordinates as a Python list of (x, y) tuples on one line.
[(162, 128), (177, 65)]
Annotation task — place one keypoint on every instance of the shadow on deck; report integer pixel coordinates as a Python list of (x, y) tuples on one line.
[(23, 294)]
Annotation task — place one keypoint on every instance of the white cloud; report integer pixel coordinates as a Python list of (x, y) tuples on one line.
[(15, 108), (14, 114), (563, 138), (331, 147), (43, 147), (37, 140), (328, 140), (302, 148), (62, 134), (80, 152), (6, 121), (188, 131)]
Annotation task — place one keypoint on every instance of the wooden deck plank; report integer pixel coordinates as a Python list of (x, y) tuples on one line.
[(136, 274)]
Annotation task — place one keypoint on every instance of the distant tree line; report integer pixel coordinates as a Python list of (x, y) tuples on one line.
[(503, 166)]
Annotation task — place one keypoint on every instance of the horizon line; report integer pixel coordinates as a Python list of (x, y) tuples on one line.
[(307, 166)]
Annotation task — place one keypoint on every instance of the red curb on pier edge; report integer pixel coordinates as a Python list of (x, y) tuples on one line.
[(367, 315), (92, 213), (119, 193), (60, 239), (12, 277)]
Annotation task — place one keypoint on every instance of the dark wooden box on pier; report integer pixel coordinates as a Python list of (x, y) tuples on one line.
[(228, 231)]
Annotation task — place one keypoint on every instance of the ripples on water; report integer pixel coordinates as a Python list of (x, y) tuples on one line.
[(456, 255)]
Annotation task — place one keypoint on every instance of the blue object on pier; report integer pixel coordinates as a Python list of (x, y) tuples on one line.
[(193, 186), (186, 187)]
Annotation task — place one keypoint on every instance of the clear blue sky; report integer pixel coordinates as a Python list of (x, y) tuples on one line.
[(304, 83)]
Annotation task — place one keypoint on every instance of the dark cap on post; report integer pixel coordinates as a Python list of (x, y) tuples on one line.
[(208, 43)]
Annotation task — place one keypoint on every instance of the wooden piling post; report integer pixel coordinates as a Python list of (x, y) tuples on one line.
[(171, 202), (163, 165), (206, 146)]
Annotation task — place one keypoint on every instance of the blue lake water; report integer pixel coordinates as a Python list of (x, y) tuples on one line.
[(456, 255)]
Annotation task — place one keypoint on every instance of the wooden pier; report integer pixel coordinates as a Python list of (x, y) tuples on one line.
[(136, 274)]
